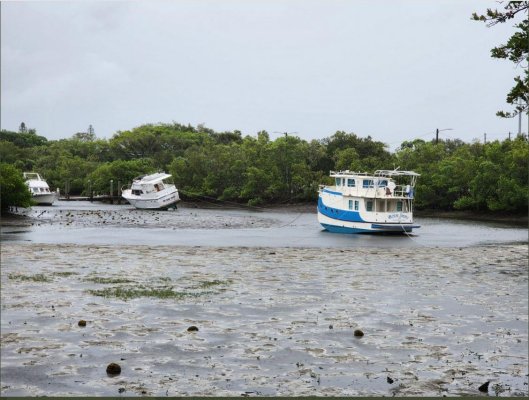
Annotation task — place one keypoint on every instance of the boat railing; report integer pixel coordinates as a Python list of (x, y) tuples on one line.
[(399, 191), (403, 191)]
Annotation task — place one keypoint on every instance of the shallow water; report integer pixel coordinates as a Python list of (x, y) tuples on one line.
[(442, 313), (96, 223)]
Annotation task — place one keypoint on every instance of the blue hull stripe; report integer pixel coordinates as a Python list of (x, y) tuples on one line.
[(336, 213), (395, 227), (331, 192), (343, 229)]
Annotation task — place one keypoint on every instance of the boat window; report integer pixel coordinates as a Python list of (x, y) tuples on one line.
[(356, 205), (351, 182), (367, 183), (136, 192), (383, 183), (399, 205), (338, 181), (350, 204), (369, 206)]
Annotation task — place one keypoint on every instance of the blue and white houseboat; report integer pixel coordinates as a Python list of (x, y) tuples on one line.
[(368, 203)]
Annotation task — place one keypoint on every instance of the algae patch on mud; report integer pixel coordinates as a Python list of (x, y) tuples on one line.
[(207, 284), (166, 292), (65, 274), (33, 278), (102, 280)]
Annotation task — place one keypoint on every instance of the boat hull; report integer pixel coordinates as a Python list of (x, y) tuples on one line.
[(339, 226), (152, 203), (46, 199)]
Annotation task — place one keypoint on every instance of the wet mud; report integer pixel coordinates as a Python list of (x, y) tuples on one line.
[(272, 321), (86, 215)]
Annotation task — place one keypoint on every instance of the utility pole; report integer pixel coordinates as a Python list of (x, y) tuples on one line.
[(286, 165), (520, 117), (509, 136), (484, 138), (437, 133)]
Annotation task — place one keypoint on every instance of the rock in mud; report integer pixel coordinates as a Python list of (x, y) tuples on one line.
[(485, 387), (113, 369), (192, 329), (358, 333), (82, 323)]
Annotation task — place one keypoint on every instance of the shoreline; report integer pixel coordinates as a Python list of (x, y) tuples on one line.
[(511, 219), (306, 207)]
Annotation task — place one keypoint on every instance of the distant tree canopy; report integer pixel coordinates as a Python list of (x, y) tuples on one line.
[(24, 138), (515, 50), (256, 170)]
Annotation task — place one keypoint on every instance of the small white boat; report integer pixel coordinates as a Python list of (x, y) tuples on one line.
[(368, 203), (153, 191), (40, 191)]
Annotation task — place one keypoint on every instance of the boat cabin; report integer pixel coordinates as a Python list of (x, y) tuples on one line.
[(36, 184), (151, 184), (382, 192)]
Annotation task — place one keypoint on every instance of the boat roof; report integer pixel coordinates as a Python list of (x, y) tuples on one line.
[(378, 173), (395, 172), (153, 178), (32, 176)]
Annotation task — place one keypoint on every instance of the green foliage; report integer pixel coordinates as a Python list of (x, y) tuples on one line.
[(23, 139), (515, 50), (13, 190), (161, 142), (490, 177), (258, 171), (63, 170), (9, 152), (121, 172)]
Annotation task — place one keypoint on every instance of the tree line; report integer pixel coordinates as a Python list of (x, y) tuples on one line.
[(255, 170)]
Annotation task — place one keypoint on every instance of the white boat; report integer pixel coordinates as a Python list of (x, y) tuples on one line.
[(40, 191), (368, 203), (153, 191)]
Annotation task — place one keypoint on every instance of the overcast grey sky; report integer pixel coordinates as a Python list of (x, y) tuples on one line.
[(395, 70)]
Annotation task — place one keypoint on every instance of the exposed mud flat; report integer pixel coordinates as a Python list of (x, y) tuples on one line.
[(271, 321), (87, 216)]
